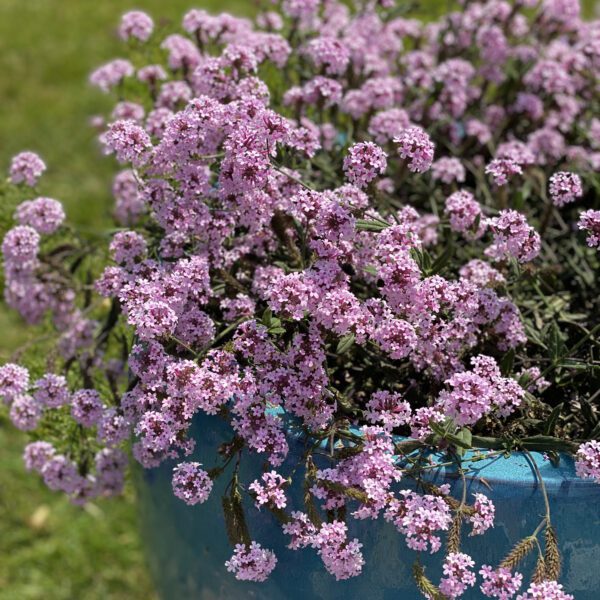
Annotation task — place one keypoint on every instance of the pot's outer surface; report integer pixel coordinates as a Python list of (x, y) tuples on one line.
[(187, 546)]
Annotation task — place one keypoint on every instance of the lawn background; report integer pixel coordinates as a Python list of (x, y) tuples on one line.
[(48, 548)]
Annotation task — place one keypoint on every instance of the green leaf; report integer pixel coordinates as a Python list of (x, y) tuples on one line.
[(533, 334), (461, 439), (507, 362), (553, 420), (363, 225), (555, 342), (422, 258), (546, 443), (266, 317), (443, 259), (345, 343)]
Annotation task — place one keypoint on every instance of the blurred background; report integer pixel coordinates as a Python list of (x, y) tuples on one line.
[(48, 548)]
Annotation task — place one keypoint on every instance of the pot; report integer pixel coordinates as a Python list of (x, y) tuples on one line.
[(187, 546)]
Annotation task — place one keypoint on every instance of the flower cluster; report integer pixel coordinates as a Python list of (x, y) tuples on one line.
[(191, 483), (356, 256)]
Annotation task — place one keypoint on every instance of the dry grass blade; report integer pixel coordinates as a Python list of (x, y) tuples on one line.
[(425, 586), (453, 544), (518, 553), (553, 558)]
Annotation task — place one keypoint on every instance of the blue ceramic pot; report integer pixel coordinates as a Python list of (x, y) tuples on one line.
[(187, 546)]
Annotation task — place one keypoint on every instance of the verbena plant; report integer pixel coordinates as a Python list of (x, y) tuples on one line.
[(375, 227)]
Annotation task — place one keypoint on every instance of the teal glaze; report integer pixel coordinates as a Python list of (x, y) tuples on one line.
[(187, 546)]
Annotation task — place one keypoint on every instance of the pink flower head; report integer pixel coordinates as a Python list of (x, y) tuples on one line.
[(565, 188), (14, 380), (483, 517), (45, 215), (589, 221), (26, 168), (364, 162), (87, 407), (458, 575), (587, 460), (111, 74), (251, 563), (546, 590), (447, 170), (501, 169), (465, 214), (341, 557), (500, 583), (419, 518), (191, 483), (415, 145), (388, 409), (270, 491), (300, 529), (25, 412), (136, 24), (52, 391), (513, 237)]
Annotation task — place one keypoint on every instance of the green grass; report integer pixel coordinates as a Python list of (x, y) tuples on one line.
[(50, 549)]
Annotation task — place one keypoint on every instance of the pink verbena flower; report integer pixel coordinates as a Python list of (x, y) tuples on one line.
[(329, 53), (52, 391), (111, 74), (136, 24), (364, 162), (546, 590), (128, 248), (589, 221), (60, 473), (483, 517), (419, 518), (447, 170), (473, 394), (501, 169), (458, 575), (271, 491), (191, 483), (300, 529), (128, 141), (25, 412), (565, 187), (388, 409), (416, 145), (37, 454), (45, 215), (26, 167), (87, 407), (341, 557), (14, 380), (110, 466), (587, 460), (465, 214), (500, 583), (513, 237), (251, 563), (420, 421), (21, 244)]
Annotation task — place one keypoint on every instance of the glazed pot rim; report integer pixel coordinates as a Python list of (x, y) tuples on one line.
[(514, 469)]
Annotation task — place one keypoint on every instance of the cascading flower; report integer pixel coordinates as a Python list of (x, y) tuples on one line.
[(296, 259)]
